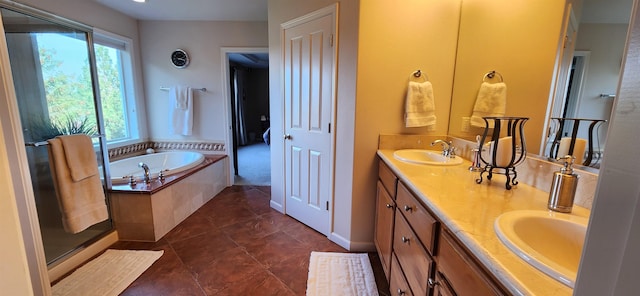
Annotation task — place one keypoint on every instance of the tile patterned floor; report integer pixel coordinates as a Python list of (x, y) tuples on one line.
[(235, 245)]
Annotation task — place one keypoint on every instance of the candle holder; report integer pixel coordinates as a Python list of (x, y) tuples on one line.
[(507, 148)]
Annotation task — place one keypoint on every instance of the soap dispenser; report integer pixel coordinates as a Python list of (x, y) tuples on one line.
[(563, 187)]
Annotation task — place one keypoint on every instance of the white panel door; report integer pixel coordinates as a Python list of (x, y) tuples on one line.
[(308, 90)]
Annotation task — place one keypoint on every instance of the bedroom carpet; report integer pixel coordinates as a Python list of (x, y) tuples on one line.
[(345, 274), (107, 275), (254, 165)]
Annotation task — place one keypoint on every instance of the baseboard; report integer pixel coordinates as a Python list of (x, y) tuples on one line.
[(59, 270), (352, 246), (276, 206)]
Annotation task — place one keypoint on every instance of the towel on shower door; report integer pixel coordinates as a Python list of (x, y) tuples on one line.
[(74, 170), (181, 110), (491, 101), (419, 105)]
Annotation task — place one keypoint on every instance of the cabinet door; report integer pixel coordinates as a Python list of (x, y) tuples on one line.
[(398, 283), (442, 287), (383, 235), (413, 258), (460, 271)]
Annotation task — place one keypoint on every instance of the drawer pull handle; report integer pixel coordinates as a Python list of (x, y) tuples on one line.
[(408, 208), (389, 206), (405, 239), (432, 283), (400, 292)]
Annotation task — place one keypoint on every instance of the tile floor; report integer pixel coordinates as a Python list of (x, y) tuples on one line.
[(235, 245)]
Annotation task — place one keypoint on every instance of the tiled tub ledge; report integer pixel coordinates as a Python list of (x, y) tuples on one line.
[(146, 212)]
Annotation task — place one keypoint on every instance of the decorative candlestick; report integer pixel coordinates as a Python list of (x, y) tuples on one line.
[(505, 152)]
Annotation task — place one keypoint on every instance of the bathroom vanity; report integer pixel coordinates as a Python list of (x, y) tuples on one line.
[(435, 232)]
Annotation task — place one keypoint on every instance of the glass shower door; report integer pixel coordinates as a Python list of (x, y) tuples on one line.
[(52, 69)]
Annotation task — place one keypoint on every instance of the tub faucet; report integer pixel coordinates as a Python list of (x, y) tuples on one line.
[(447, 148), (147, 176)]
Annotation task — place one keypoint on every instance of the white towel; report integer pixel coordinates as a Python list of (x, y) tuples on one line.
[(491, 101), (181, 110), (419, 105)]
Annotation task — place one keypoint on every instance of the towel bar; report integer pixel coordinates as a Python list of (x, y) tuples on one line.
[(203, 89), (44, 143)]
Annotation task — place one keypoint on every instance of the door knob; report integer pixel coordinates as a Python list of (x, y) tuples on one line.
[(287, 136)]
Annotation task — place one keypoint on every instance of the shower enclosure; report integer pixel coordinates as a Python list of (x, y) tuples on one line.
[(53, 68)]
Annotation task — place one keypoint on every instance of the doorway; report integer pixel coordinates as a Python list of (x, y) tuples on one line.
[(249, 120)]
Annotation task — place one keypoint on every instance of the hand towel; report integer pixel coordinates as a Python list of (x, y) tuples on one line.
[(181, 110), (81, 203), (419, 105), (491, 101), (80, 159)]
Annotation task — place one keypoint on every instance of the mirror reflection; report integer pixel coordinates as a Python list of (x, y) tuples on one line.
[(588, 82), (544, 78)]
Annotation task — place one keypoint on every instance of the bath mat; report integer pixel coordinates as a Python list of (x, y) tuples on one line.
[(108, 274), (340, 274)]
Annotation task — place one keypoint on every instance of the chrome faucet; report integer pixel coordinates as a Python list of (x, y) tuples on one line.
[(447, 148), (147, 176)]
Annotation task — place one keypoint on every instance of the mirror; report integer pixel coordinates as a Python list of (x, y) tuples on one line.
[(519, 40)]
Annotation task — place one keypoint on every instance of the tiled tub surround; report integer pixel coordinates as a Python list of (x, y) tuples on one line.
[(534, 171), (141, 148), (469, 211), (146, 212)]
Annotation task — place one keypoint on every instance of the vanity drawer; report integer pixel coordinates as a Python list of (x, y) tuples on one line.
[(388, 178), (460, 271), (413, 258), (398, 283), (424, 225)]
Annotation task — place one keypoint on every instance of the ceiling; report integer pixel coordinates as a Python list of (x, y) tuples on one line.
[(191, 10)]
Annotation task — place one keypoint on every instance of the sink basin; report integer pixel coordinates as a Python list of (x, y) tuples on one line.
[(551, 242), (421, 156)]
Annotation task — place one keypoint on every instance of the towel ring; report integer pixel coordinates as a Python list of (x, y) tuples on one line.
[(419, 74), (491, 75)]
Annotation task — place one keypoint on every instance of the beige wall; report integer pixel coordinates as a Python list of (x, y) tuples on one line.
[(393, 42), (202, 40), (518, 39), (15, 279)]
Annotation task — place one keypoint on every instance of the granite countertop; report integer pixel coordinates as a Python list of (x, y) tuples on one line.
[(468, 210)]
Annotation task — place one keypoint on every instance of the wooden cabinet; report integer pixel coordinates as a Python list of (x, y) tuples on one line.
[(419, 255), (385, 211), (423, 223), (459, 272), (414, 259), (383, 236), (398, 283)]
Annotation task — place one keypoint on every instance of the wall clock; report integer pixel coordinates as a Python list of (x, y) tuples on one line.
[(180, 58)]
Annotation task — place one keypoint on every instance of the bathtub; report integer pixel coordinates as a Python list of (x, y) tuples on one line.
[(167, 162)]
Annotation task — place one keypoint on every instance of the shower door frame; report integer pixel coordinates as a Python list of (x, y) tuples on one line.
[(17, 162)]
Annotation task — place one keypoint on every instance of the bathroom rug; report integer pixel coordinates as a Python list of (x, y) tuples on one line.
[(340, 274), (108, 274)]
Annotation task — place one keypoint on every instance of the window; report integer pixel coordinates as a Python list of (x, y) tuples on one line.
[(115, 77), (64, 64)]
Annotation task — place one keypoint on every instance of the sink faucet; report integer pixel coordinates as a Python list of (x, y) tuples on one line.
[(447, 148), (147, 176)]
